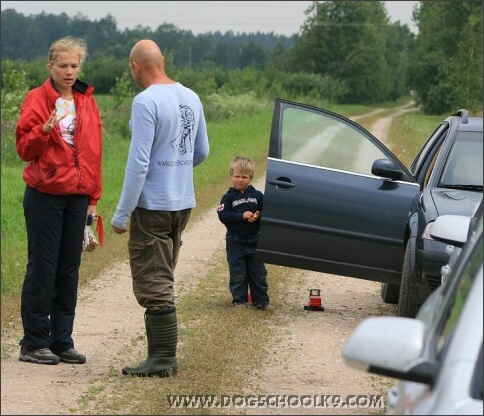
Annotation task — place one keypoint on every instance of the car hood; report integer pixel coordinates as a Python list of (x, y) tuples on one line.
[(455, 202)]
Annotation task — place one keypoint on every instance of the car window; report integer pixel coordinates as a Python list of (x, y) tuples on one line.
[(313, 139), (429, 171), (430, 148), (464, 166), (458, 300)]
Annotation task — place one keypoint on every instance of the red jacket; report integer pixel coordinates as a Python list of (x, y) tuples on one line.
[(55, 167)]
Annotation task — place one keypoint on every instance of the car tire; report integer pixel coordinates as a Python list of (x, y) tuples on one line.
[(406, 306), (389, 293)]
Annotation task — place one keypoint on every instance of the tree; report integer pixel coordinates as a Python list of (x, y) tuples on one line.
[(467, 69), (447, 67), (346, 40), (253, 56), (278, 57), (225, 56), (399, 41), (97, 75), (30, 44)]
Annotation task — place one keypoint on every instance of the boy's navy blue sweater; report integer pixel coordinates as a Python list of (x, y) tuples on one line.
[(232, 207)]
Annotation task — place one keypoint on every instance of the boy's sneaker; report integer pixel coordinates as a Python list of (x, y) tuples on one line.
[(71, 356), (239, 305), (40, 356)]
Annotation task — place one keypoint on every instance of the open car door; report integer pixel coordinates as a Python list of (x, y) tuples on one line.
[(324, 209)]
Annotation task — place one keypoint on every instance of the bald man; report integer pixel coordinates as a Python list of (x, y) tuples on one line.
[(168, 139)]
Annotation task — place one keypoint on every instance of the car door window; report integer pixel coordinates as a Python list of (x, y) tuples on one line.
[(327, 142)]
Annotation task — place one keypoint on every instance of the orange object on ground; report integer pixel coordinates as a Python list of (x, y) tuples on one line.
[(315, 303)]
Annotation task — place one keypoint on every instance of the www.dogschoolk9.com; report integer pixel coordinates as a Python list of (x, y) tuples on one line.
[(277, 401)]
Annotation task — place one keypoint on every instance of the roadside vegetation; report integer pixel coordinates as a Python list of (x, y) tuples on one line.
[(237, 124)]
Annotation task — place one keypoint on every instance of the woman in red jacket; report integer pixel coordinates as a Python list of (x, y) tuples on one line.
[(59, 134)]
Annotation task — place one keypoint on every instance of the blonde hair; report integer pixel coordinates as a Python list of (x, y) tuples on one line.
[(242, 164), (68, 44)]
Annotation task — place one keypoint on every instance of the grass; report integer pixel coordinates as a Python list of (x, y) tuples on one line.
[(408, 134)]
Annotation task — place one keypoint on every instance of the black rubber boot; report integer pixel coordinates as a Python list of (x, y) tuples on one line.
[(162, 333)]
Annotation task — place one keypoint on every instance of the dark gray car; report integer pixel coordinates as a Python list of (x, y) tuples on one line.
[(338, 201)]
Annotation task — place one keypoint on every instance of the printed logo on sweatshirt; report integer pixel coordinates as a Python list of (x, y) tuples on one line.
[(221, 207), (173, 163), (183, 143), (244, 201)]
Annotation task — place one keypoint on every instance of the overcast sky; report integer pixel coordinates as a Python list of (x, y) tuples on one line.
[(281, 17)]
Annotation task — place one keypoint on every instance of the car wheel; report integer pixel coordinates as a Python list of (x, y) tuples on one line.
[(389, 293), (406, 306)]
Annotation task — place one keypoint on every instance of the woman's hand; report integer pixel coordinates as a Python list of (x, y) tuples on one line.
[(92, 210), (52, 121)]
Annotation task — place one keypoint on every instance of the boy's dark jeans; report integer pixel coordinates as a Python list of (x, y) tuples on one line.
[(245, 271)]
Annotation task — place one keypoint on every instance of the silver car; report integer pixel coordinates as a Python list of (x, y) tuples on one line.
[(438, 357)]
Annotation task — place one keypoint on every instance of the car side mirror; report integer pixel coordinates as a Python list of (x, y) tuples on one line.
[(451, 229), (386, 168), (392, 347)]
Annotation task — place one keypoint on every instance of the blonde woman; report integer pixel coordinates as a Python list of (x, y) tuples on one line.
[(59, 133)]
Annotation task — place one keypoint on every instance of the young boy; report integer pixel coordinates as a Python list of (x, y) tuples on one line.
[(240, 210)]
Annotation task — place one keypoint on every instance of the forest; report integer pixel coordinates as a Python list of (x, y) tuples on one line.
[(345, 52)]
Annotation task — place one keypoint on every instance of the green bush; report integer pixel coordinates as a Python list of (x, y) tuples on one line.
[(14, 81), (220, 107), (314, 86)]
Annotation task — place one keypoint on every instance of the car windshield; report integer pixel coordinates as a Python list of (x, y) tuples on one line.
[(464, 167)]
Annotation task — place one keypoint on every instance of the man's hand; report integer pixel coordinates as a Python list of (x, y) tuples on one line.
[(118, 230)]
